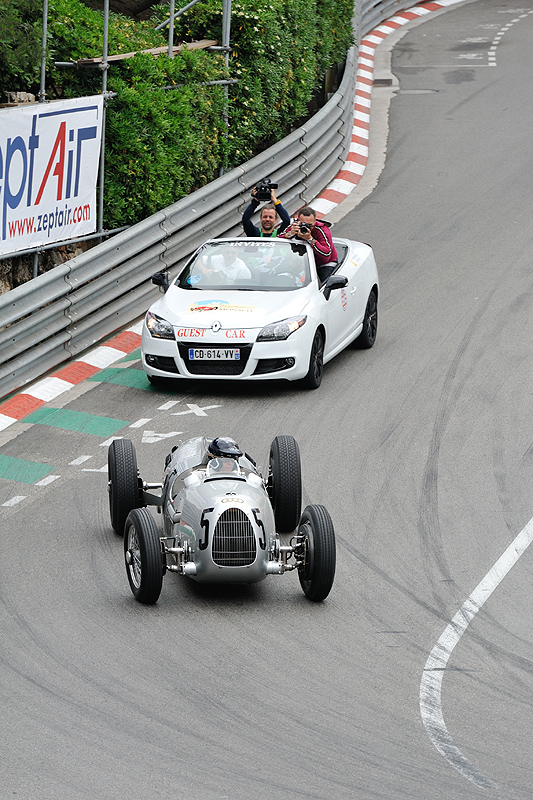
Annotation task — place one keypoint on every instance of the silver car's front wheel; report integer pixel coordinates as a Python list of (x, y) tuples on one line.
[(316, 548), (143, 556)]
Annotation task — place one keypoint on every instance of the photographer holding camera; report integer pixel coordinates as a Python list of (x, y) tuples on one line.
[(269, 214), (309, 229)]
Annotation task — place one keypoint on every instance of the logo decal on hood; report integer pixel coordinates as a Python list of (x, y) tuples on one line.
[(219, 305)]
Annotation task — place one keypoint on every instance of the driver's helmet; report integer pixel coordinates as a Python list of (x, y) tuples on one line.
[(224, 447)]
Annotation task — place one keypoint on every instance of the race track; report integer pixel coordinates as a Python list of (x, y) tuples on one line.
[(422, 450)]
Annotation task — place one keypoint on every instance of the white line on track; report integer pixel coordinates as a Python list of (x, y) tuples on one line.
[(431, 683), (79, 460), (15, 500), (46, 481)]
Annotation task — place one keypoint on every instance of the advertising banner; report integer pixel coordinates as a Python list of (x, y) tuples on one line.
[(49, 162)]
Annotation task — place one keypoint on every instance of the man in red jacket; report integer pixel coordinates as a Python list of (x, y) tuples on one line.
[(309, 229)]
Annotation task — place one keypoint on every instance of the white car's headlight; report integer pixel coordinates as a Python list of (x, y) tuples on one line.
[(159, 327), (281, 330)]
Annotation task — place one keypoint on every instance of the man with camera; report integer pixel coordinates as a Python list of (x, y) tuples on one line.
[(269, 214), (309, 229)]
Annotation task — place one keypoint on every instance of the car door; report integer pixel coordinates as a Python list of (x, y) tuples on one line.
[(344, 309)]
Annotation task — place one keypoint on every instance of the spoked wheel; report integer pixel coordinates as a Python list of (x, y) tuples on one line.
[(123, 482), (367, 337), (313, 379), (317, 541), (143, 555), (285, 483)]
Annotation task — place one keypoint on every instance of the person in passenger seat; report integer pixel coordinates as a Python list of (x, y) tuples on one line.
[(309, 229)]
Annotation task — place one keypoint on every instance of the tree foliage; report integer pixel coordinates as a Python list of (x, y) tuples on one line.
[(20, 44)]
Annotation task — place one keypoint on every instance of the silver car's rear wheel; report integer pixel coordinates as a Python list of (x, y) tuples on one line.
[(143, 556), (285, 483), (123, 482)]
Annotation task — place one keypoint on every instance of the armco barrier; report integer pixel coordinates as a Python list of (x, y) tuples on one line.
[(58, 315)]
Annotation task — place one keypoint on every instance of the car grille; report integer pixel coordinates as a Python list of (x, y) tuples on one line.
[(234, 543), (215, 367)]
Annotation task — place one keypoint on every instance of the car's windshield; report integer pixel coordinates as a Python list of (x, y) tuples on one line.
[(266, 265), (223, 467)]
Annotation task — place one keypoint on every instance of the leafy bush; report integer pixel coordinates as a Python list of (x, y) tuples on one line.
[(162, 143), (20, 45)]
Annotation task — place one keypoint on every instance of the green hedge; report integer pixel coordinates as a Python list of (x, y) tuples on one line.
[(161, 143)]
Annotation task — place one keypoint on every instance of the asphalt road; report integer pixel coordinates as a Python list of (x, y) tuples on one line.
[(422, 449)]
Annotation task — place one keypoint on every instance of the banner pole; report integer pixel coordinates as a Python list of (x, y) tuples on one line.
[(104, 68)]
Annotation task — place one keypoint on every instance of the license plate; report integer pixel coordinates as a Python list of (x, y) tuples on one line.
[(214, 354)]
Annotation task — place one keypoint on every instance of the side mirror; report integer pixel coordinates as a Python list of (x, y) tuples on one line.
[(161, 279), (334, 282)]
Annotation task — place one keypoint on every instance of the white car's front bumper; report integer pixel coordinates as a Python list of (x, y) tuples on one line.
[(286, 359)]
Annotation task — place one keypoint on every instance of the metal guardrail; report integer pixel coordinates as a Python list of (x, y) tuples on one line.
[(60, 314)]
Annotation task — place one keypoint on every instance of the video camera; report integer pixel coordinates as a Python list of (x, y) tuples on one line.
[(262, 190)]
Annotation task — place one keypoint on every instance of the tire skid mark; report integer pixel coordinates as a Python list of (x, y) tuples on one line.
[(429, 528)]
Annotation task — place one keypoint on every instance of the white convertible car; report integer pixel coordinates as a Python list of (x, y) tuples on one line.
[(254, 309)]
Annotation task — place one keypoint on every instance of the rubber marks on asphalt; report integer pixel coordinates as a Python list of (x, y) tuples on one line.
[(349, 176), (35, 396)]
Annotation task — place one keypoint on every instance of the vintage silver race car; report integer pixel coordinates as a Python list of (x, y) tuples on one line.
[(221, 519)]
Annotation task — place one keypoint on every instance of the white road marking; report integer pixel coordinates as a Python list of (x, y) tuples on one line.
[(108, 441), (47, 480), (15, 500), (194, 409), (140, 422), (102, 469), (79, 460), (166, 406), (151, 437), (431, 683)]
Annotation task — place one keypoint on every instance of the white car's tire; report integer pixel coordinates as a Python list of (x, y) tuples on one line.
[(313, 379), (367, 337)]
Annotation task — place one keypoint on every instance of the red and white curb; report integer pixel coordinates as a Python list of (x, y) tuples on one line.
[(49, 388), (349, 176)]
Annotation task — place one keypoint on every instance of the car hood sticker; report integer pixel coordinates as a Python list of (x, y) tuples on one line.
[(219, 305)]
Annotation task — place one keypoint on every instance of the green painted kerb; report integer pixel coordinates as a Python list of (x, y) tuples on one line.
[(134, 378), (133, 356), (16, 469), (76, 421)]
